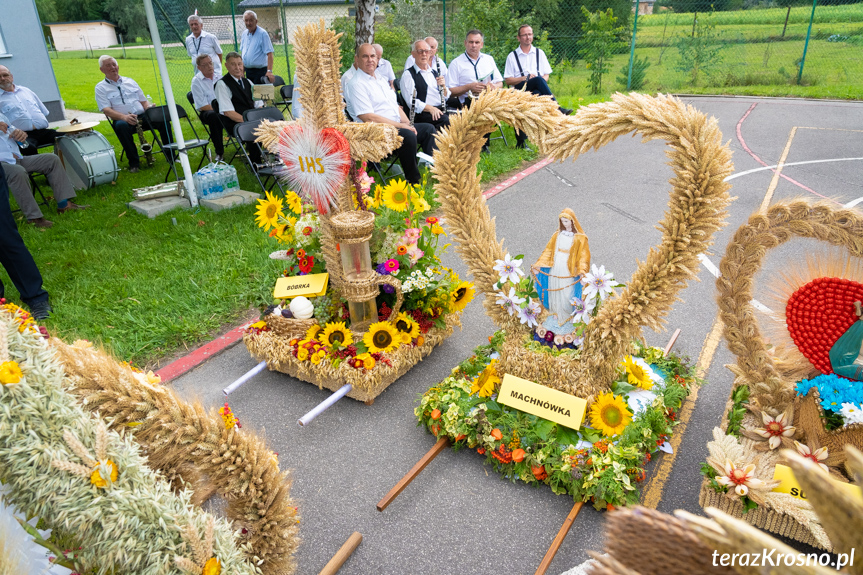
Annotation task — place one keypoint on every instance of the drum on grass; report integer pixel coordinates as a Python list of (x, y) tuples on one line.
[(89, 159)]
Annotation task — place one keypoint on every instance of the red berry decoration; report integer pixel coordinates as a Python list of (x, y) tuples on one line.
[(817, 315)]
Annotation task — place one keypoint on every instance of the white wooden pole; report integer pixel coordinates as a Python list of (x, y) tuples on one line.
[(172, 105)]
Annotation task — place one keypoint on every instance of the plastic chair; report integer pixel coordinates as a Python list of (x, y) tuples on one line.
[(245, 134), (287, 94), (159, 115), (267, 113)]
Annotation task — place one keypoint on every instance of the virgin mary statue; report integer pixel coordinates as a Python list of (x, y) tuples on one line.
[(559, 269)]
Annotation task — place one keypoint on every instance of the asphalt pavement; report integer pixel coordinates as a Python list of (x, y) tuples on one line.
[(459, 516)]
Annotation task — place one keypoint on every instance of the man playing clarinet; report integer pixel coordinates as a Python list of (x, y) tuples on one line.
[(424, 90)]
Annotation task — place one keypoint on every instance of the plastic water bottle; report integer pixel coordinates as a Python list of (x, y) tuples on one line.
[(233, 181), (219, 183), (206, 184)]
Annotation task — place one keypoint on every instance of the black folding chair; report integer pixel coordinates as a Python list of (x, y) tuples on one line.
[(278, 81), (287, 94), (154, 142), (158, 115), (266, 113), (245, 134), (229, 134)]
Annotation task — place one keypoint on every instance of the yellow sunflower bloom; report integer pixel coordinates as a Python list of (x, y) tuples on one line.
[(395, 195), (269, 211), (97, 480), (212, 566), (636, 374), (610, 415), (406, 324), (461, 296), (381, 337), (487, 382), (315, 358), (293, 201), (312, 333), (10, 372), (419, 202), (336, 335)]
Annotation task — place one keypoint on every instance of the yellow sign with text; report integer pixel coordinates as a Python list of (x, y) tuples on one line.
[(551, 404), (788, 483), (294, 286)]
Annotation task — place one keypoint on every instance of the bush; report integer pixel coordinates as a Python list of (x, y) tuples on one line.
[(395, 40), (599, 40), (639, 72)]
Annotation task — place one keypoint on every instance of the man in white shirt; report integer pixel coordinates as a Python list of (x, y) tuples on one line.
[(385, 69), (203, 94), (372, 100), (437, 63), (202, 42), (234, 96), (527, 68), (123, 102), (346, 85), (423, 90), (25, 111), (19, 167), (257, 50), (471, 73)]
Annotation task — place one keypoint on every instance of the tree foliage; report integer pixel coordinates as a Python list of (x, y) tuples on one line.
[(499, 23), (700, 50), (599, 40), (128, 15)]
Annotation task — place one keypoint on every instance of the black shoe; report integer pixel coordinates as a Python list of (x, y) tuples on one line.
[(134, 169), (565, 111), (519, 145), (41, 310), (486, 150)]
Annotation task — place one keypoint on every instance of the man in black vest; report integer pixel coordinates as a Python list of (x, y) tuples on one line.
[(234, 96), (527, 67), (423, 90)]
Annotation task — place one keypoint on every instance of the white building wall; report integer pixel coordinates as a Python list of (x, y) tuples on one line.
[(95, 35)]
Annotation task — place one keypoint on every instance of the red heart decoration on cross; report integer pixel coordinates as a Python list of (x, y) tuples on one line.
[(817, 315)]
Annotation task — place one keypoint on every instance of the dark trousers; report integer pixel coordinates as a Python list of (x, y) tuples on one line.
[(211, 119), (407, 153), (536, 85), (426, 118), (251, 148), (256, 75), (37, 138), (15, 256), (128, 134)]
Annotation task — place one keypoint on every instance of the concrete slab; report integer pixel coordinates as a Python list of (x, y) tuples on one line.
[(154, 207), (237, 198)]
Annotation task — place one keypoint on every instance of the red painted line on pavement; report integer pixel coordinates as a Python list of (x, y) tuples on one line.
[(763, 163), (516, 178), (202, 354)]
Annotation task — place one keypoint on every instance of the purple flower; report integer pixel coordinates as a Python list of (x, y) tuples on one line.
[(388, 288), (382, 269)]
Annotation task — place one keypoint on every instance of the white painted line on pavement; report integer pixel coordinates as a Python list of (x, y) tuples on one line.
[(773, 167), (711, 267)]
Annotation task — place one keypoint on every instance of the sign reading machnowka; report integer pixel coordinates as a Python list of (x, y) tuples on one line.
[(551, 404), (309, 286)]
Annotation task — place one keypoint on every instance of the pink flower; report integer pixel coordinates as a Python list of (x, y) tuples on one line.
[(392, 266), (414, 253), (412, 235)]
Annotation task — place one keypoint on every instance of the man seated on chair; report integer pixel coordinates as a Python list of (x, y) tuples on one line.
[(421, 88), (123, 102), (26, 112), (372, 100), (203, 94), (18, 169), (471, 73), (234, 96), (201, 42), (527, 68)]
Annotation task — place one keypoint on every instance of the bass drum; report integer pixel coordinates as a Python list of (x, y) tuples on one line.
[(89, 159)]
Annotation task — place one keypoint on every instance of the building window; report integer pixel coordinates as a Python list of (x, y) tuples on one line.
[(2, 43)]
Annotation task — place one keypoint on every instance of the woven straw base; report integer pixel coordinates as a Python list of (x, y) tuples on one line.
[(760, 517), (368, 384)]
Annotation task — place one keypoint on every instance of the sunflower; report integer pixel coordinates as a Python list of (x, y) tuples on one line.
[(461, 296), (313, 332), (381, 337), (406, 324), (269, 211), (336, 335), (609, 414), (487, 382), (295, 204), (395, 195), (636, 374)]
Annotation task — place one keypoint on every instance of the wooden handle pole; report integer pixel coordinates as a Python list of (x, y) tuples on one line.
[(671, 341), (334, 564), (441, 444), (561, 535)]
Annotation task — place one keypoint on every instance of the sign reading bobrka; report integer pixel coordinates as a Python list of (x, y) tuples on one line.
[(550, 404), (309, 285)]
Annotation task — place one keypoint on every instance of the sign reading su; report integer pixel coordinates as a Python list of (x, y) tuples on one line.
[(316, 162)]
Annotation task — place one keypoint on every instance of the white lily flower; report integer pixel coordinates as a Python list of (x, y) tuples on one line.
[(509, 269)]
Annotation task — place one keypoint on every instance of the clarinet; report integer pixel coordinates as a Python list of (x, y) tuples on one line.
[(440, 88), (413, 106)]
